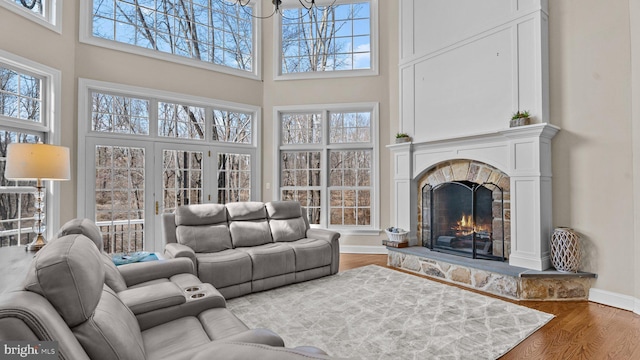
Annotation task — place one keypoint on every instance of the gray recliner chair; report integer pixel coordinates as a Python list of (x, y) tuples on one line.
[(152, 290), (65, 299)]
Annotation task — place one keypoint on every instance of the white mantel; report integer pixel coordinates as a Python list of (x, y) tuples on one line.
[(523, 153)]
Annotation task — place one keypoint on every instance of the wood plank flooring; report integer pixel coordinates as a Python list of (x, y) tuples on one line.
[(580, 330)]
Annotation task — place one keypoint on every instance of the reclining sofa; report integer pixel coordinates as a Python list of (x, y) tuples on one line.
[(65, 299), (247, 247)]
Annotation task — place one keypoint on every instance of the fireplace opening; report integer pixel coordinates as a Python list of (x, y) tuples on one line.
[(464, 218)]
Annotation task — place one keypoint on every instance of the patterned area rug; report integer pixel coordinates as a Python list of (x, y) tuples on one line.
[(377, 313)]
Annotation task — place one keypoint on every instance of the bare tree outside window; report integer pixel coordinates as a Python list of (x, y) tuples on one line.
[(213, 31), (20, 95), (331, 38), (17, 202)]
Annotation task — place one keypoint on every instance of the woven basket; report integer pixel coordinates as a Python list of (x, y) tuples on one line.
[(402, 236), (565, 250)]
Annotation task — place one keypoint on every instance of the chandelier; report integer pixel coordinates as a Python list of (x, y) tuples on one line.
[(307, 7)]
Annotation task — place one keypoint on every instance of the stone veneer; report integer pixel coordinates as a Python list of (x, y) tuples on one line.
[(526, 285), (476, 172)]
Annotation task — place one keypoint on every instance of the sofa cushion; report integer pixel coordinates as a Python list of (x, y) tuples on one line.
[(65, 273), (224, 268), (204, 238), (200, 214), (250, 233), (271, 260), (246, 210), (177, 336), (311, 253), (112, 332), (286, 221)]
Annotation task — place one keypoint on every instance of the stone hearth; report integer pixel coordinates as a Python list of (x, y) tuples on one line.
[(493, 277)]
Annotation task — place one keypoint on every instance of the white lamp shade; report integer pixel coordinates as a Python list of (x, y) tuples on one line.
[(37, 161)]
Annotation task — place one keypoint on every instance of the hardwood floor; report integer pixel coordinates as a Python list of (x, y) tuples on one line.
[(580, 330)]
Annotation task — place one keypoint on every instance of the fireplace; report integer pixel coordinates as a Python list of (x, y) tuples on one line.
[(464, 209), (516, 160), (459, 217)]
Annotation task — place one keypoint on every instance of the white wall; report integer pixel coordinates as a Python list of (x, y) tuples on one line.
[(467, 66)]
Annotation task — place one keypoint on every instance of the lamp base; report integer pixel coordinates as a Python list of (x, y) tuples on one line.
[(36, 244)]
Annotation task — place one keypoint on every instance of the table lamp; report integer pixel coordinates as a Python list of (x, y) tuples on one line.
[(37, 162)]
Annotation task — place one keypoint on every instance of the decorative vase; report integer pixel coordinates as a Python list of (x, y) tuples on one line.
[(565, 250), (519, 122)]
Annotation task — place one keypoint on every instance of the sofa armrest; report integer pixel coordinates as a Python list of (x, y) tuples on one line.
[(333, 238), (244, 350), (176, 250), (137, 273)]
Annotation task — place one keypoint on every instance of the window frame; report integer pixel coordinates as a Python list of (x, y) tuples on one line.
[(51, 19), (50, 111), (325, 147), (277, 53), (86, 37), (88, 137)]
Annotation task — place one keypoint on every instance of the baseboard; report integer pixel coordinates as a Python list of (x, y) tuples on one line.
[(363, 249), (620, 301)]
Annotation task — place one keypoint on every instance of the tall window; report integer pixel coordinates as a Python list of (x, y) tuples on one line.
[(330, 39), (327, 161), (147, 152), (26, 116), (44, 12), (211, 32)]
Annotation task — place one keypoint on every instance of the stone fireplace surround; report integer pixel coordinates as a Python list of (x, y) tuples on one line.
[(522, 153)]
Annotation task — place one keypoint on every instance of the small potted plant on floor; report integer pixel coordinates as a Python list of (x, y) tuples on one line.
[(402, 138), (519, 118)]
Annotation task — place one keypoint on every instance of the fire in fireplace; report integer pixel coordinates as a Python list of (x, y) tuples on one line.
[(459, 217)]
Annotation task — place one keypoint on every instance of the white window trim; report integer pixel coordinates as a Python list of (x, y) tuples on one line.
[(51, 113), (374, 228), (86, 86), (277, 51), (52, 18), (86, 21)]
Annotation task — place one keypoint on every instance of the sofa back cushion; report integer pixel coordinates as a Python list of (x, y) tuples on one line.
[(286, 220), (248, 224), (203, 227), (65, 273)]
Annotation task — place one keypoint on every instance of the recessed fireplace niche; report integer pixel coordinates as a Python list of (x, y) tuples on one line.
[(464, 210)]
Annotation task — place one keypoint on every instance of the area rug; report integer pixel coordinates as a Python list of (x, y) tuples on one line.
[(377, 313)]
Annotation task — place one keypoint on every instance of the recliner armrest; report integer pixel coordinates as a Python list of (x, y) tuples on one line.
[(153, 297), (137, 273), (256, 336), (332, 237)]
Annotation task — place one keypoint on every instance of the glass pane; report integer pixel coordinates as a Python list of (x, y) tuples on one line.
[(181, 178), (301, 128), (181, 121), (234, 177), (234, 127), (218, 32), (20, 95), (305, 35), (119, 197), (17, 204), (119, 114)]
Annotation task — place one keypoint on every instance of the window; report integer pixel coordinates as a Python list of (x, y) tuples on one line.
[(216, 34), (146, 152), (328, 161), (47, 13), (26, 116), (338, 40)]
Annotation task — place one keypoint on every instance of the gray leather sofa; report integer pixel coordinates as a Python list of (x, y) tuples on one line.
[(247, 247), (66, 300)]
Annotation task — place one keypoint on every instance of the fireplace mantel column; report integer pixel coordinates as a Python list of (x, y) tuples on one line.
[(531, 202), (404, 191)]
